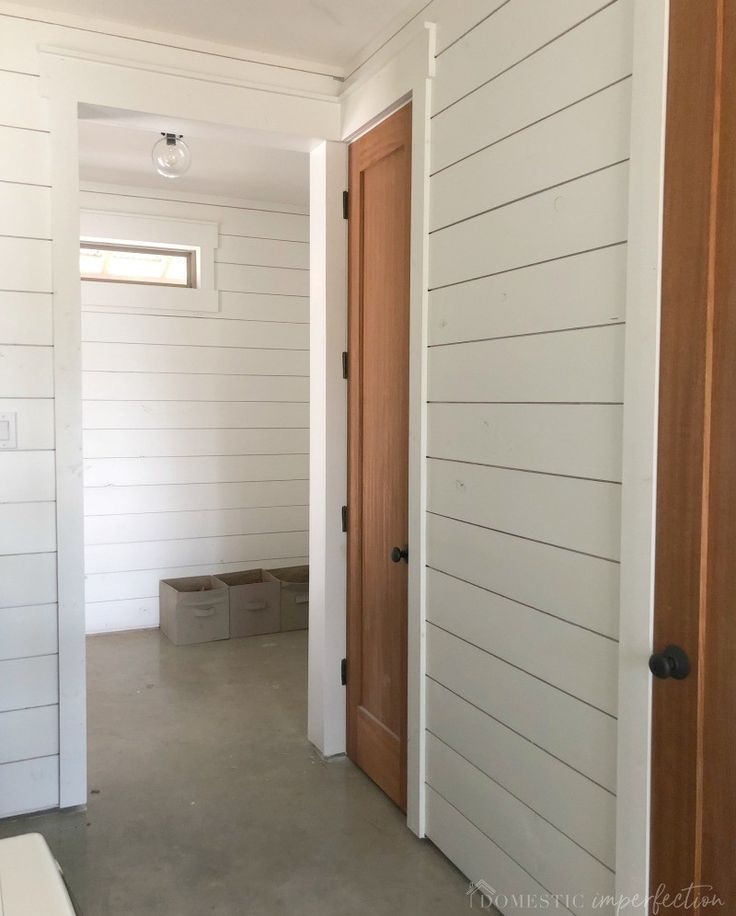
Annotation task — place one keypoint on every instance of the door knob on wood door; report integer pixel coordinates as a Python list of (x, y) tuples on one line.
[(672, 661), (397, 554)]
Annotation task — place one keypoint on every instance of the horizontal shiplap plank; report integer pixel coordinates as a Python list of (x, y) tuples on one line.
[(28, 733), (153, 554), (27, 579), (26, 371), (591, 56), (578, 807), (21, 104), (24, 156), (26, 263), (28, 682), (126, 472), (575, 660), (569, 366), (259, 307), (143, 583), (574, 587), (516, 30), (479, 858), (234, 249), (582, 440), (590, 212), (153, 358), (122, 386), (167, 526), (577, 734), (27, 527), (112, 616), (25, 318), (577, 514), (272, 280), (203, 332), (29, 785), (454, 20), (232, 220), (585, 289), (25, 209), (194, 415), (26, 476), (149, 443), (586, 137), (194, 497), (35, 421), (26, 631), (554, 860)]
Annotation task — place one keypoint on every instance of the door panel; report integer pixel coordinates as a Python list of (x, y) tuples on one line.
[(694, 733), (378, 397)]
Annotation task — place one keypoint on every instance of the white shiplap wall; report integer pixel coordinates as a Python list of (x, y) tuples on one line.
[(29, 731), (196, 428), (29, 740), (528, 220), (530, 141)]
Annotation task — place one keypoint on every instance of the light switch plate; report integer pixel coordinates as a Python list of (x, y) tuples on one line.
[(8, 430)]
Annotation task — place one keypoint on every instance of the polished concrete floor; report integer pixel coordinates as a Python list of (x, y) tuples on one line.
[(206, 798)]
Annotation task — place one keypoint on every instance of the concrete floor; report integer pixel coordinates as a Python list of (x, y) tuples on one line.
[(206, 798)]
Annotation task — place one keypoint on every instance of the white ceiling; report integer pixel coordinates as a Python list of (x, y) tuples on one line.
[(327, 31), (115, 147)]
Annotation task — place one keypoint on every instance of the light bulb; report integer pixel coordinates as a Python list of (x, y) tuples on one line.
[(171, 156)]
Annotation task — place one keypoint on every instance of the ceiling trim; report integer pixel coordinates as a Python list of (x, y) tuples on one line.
[(124, 30)]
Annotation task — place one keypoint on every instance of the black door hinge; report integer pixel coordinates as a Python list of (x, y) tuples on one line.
[(344, 672), (345, 204), (344, 364), (344, 519)]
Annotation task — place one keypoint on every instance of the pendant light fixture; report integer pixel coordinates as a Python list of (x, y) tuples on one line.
[(171, 156)]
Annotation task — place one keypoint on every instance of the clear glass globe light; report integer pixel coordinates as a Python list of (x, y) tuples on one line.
[(171, 156)]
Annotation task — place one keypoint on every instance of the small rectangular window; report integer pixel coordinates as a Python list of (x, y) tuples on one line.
[(137, 264)]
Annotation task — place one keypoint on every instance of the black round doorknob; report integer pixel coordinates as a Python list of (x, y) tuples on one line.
[(672, 661), (397, 555)]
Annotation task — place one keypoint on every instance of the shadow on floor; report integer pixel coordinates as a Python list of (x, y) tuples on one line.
[(206, 798)]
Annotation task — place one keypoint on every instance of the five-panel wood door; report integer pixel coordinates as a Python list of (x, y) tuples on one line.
[(378, 441)]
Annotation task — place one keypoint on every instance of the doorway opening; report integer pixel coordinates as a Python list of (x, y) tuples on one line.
[(195, 396)]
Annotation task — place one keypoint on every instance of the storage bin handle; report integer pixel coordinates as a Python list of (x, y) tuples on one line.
[(204, 611), (256, 605), (301, 599)]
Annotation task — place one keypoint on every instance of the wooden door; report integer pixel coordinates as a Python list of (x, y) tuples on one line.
[(694, 718), (378, 425)]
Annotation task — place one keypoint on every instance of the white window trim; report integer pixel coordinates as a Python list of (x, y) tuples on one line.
[(135, 229)]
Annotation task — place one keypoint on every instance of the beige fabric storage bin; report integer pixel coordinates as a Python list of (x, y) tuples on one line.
[(255, 606), (294, 582), (194, 609)]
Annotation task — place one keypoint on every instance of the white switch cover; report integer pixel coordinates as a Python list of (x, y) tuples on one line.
[(8, 430)]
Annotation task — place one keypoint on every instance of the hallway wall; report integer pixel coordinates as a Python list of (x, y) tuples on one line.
[(196, 428), (529, 142), (527, 249)]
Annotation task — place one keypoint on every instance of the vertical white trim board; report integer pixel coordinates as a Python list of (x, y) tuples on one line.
[(641, 389)]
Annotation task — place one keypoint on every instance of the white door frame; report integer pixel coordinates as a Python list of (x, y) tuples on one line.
[(638, 509), (71, 78)]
